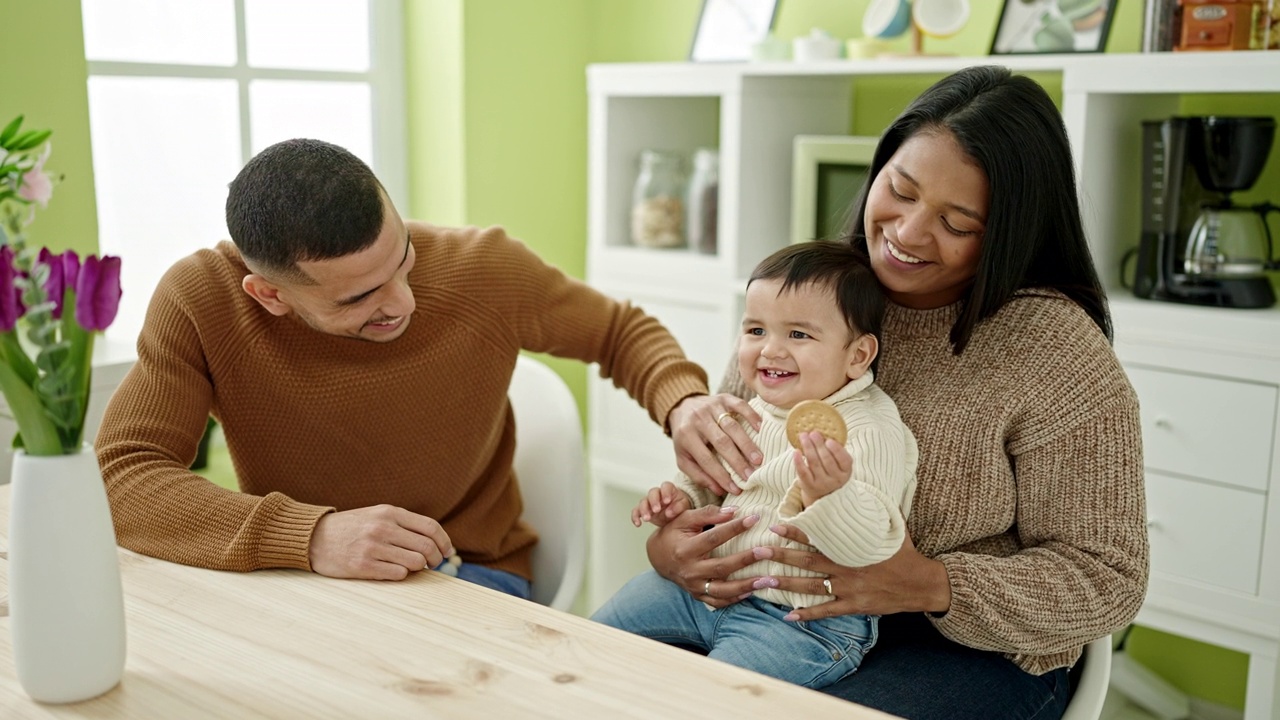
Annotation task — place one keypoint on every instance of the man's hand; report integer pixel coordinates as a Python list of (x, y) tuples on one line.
[(377, 543), (706, 428)]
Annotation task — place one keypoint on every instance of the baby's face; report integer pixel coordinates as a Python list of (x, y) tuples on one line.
[(795, 346)]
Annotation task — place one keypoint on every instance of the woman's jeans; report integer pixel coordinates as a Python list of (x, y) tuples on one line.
[(749, 634), (917, 673)]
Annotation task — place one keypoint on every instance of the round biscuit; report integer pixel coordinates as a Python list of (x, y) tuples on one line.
[(815, 415)]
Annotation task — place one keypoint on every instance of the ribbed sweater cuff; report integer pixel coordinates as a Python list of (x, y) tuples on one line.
[(286, 539), (958, 622), (853, 525), (672, 392)]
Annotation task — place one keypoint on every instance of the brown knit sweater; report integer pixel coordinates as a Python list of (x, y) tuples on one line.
[(1030, 483), (315, 422)]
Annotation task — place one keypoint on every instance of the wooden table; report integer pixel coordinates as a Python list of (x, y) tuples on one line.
[(289, 644)]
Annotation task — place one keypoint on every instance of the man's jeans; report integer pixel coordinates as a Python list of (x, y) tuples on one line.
[(500, 580), (749, 634)]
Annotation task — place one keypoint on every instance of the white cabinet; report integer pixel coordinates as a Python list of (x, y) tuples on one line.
[(1208, 382), (1207, 379)]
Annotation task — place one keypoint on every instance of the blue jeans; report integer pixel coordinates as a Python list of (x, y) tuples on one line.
[(500, 580), (749, 634)]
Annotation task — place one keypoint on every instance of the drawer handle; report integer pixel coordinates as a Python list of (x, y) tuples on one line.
[(1153, 524), (1164, 423)]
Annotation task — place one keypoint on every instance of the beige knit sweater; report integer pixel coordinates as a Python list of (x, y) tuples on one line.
[(315, 422), (1030, 484), (859, 524)]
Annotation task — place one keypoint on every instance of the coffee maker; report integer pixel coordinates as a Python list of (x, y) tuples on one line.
[(1197, 246)]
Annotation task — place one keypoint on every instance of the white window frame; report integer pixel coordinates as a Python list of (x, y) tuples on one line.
[(385, 78)]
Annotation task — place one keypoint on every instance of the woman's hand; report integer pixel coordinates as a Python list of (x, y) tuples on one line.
[(680, 552), (906, 582), (705, 429)]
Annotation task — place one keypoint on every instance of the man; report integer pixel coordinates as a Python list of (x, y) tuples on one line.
[(359, 366)]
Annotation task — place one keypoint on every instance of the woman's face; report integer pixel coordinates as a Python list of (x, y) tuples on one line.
[(925, 218)]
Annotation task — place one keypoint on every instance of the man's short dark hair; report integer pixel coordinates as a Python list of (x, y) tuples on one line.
[(301, 200), (836, 266)]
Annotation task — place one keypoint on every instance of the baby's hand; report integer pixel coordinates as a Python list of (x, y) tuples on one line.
[(663, 503), (822, 466)]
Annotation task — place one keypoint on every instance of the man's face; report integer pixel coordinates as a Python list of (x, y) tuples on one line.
[(363, 295)]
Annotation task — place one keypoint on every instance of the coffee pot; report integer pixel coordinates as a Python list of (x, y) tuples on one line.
[(1230, 242), (1199, 246)]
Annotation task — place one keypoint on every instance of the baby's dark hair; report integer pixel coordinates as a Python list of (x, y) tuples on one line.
[(834, 265)]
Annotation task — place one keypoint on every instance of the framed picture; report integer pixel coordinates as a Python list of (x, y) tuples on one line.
[(1053, 26), (827, 173), (728, 28)]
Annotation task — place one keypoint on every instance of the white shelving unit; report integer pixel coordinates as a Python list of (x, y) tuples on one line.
[(1208, 379)]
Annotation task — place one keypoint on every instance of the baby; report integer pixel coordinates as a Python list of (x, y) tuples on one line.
[(813, 314)]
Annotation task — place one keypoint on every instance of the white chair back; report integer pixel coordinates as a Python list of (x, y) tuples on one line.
[(553, 483), (1091, 691)]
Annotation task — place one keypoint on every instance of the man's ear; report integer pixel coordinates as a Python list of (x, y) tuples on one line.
[(862, 350), (266, 293)]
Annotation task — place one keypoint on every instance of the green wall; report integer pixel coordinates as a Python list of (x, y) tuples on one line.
[(44, 80)]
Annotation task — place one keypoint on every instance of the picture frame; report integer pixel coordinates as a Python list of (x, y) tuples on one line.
[(1053, 26), (727, 29), (827, 173)]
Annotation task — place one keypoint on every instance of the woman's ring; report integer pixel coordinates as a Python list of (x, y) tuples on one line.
[(706, 588), (826, 583), (727, 414)]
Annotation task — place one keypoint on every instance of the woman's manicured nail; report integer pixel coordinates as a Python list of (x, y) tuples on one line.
[(765, 582), (752, 520), (731, 509), (791, 617), (756, 458), (761, 553)]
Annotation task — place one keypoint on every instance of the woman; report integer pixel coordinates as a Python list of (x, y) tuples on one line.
[(1027, 538)]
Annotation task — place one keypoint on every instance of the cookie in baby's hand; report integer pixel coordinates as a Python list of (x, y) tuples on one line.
[(815, 415)]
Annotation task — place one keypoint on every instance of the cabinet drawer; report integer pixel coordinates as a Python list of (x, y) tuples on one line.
[(1206, 427), (1207, 533)]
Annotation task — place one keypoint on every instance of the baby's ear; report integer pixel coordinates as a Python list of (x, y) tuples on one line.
[(862, 350)]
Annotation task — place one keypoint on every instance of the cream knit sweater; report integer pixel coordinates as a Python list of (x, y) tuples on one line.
[(859, 524), (1030, 483)]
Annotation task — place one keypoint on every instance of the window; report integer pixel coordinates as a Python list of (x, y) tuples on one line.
[(182, 94)]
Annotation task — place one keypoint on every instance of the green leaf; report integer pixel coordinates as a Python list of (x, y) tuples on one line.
[(80, 362), (32, 139), (10, 130), (38, 434), (15, 356), (10, 168)]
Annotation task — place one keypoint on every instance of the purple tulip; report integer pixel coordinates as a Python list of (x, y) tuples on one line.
[(62, 275), (10, 296), (98, 292)]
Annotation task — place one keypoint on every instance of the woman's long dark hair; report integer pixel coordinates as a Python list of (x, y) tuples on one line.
[(1034, 237)]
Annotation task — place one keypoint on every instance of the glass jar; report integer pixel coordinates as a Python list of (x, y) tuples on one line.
[(657, 202), (703, 200)]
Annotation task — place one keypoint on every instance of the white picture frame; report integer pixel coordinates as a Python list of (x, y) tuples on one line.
[(727, 29)]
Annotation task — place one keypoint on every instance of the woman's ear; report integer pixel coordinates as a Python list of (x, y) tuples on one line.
[(862, 350), (266, 293)]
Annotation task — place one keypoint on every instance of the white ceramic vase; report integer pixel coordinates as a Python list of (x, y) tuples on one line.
[(65, 601)]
